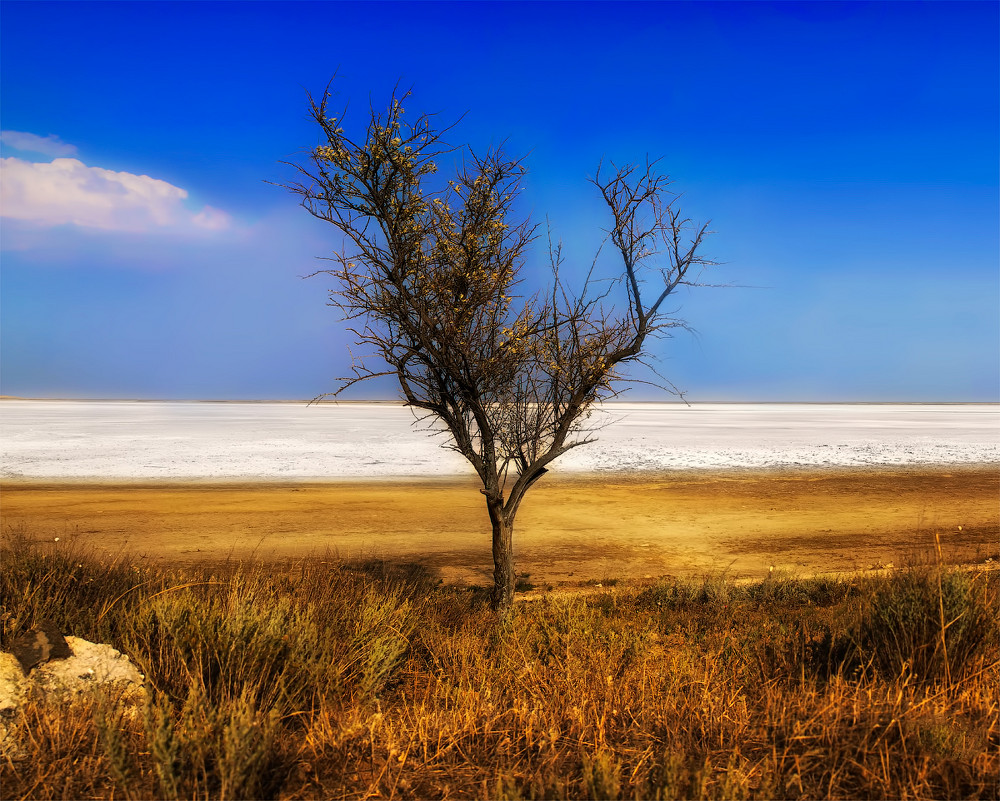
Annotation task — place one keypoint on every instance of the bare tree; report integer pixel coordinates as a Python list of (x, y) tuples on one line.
[(429, 275)]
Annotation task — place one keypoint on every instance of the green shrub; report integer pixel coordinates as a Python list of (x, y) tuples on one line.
[(225, 637), (226, 749), (601, 775), (900, 623)]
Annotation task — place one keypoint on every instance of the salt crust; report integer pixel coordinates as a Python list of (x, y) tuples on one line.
[(125, 440)]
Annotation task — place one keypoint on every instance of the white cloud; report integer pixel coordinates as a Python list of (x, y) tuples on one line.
[(50, 145), (212, 219), (67, 191)]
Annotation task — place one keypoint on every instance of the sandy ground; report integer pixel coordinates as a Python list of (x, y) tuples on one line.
[(571, 528)]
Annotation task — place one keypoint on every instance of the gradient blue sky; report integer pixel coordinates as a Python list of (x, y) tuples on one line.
[(846, 154)]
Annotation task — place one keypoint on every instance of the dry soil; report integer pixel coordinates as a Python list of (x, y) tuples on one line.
[(569, 530)]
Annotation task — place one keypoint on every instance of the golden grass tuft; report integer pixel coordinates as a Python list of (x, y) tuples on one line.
[(321, 680)]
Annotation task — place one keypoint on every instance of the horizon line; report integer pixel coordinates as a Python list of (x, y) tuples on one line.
[(400, 402)]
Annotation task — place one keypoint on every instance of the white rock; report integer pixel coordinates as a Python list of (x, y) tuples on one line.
[(12, 683), (92, 667)]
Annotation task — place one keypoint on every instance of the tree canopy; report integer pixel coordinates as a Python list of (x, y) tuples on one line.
[(429, 278)]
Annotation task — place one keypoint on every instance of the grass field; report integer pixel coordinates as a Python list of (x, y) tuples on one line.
[(319, 679)]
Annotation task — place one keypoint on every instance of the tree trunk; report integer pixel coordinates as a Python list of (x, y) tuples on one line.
[(503, 562)]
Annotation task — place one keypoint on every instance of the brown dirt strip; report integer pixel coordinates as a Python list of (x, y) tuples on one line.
[(570, 528)]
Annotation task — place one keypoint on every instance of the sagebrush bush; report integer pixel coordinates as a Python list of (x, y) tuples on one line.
[(933, 622), (226, 749)]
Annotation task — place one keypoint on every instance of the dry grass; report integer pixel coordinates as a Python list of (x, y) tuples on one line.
[(329, 681)]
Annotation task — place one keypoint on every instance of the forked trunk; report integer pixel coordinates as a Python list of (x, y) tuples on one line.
[(503, 562)]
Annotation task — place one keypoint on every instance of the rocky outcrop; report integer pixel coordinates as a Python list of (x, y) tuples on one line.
[(87, 668)]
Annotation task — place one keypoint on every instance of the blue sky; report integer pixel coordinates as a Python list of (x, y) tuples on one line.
[(845, 153)]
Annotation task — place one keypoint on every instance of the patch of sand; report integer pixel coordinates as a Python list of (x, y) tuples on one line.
[(570, 528)]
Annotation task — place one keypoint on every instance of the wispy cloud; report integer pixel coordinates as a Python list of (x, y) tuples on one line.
[(67, 191), (50, 145)]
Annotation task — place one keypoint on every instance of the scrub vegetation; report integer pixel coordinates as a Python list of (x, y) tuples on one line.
[(322, 679)]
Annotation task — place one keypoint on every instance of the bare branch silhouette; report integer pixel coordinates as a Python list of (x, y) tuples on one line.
[(429, 279)]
